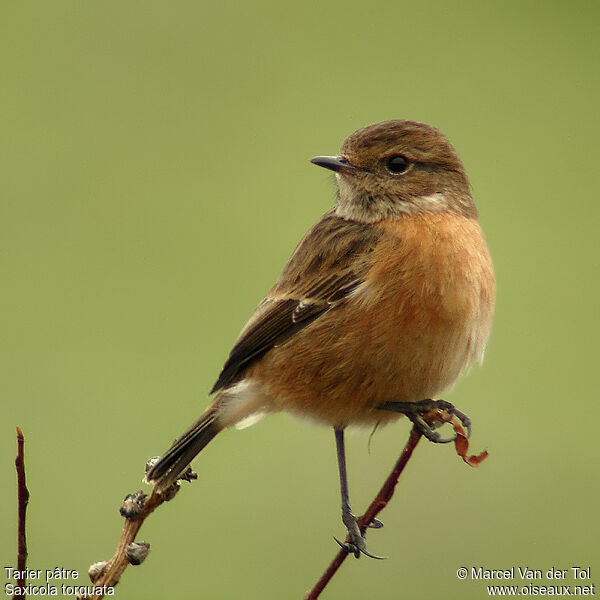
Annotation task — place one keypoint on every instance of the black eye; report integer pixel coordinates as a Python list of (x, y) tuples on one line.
[(397, 164)]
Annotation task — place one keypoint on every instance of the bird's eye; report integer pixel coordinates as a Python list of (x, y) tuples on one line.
[(397, 164)]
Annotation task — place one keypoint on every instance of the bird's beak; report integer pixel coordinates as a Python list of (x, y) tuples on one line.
[(334, 163)]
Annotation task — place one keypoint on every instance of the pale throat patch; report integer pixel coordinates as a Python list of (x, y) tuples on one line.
[(353, 201), (434, 202)]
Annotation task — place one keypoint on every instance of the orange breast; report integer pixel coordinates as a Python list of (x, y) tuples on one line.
[(421, 317)]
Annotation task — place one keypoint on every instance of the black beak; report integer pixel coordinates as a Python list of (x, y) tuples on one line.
[(333, 163)]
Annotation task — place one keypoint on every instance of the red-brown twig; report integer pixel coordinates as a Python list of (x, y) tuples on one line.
[(379, 503), (434, 418), (137, 507), (23, 499)]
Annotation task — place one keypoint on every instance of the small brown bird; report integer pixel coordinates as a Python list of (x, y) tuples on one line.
[(383, 304)]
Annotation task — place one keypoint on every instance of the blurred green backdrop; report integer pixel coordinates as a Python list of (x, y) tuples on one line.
[(155, 178)]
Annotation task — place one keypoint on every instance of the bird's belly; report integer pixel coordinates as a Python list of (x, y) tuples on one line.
[(404, 335), (341, 379)]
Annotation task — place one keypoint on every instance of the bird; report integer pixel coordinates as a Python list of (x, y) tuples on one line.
[(383, 305)]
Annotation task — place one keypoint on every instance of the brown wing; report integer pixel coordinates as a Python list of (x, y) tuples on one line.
[(328, 264)]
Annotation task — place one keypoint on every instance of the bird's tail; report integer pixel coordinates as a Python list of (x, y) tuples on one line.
[(177, 458)]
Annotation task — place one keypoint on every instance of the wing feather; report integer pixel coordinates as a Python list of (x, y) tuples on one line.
[(328, 265)]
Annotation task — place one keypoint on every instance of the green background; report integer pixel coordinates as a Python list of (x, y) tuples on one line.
[(155, 178)]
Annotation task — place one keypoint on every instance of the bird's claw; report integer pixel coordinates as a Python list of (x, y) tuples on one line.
[(356, 543), (357, 548), (429, 431), (415, 411)]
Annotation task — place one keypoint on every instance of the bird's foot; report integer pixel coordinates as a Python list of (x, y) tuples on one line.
[(416, 412), (356, 544)]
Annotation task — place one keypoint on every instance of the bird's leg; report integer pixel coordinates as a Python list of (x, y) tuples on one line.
[(415, 411), (357, 545)]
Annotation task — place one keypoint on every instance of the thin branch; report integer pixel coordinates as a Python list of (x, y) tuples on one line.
[(111, 571), (23, 499), (379, 503), (135, 508), (444, 413)]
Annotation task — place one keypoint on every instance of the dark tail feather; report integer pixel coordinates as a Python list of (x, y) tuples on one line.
[(177, 458)]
